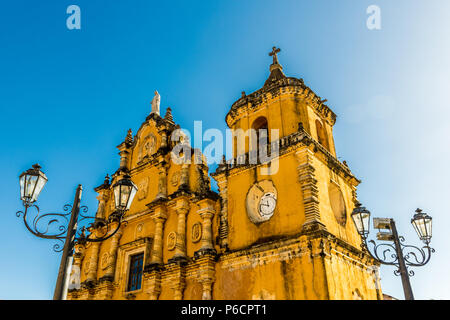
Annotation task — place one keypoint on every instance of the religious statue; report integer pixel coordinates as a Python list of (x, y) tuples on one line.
[(74, 280), (155, 103)]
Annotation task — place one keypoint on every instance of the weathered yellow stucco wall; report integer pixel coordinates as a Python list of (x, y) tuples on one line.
[(198, 244)]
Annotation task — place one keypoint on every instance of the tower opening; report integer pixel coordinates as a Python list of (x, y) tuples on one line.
[(322, 135), (260, 134)]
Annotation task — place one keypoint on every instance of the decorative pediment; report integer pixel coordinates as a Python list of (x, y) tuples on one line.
[(152, 138)]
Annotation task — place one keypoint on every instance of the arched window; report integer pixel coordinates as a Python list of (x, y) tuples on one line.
[(322, 135), (261, 134)]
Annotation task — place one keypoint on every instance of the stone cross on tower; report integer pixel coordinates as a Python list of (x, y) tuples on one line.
[(273, 53)]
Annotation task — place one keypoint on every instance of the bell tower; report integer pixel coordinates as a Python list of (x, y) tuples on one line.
[(283, 104), (301, 193)]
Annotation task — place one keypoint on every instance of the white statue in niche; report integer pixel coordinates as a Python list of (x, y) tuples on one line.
[(74, 282), (155, 103)]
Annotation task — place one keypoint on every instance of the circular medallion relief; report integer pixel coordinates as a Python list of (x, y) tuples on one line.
[(337, 203), (171, 240), (261, 201), (196, 232), (139, 230)]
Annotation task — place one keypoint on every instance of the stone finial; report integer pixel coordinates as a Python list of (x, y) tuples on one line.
[(106, 182), (168, 115), (129, 137), (276, 70)]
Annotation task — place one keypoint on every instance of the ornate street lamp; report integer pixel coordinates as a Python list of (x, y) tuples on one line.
[(32, 182), (361, 218), (124, 192), (397, 254), (422, 224)]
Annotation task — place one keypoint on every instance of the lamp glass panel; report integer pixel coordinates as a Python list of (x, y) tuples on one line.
[(41, 181), (358, 222), (416, 229), (117, 195), (131, 197), (30, 184), (428, 224), (420, 225), (125, 195), (22, 186), (365, 217), (361, 220)]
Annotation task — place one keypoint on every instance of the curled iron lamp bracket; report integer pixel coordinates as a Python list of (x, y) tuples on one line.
[(415, 256), (385, 253), (42, 223), (105, 228)]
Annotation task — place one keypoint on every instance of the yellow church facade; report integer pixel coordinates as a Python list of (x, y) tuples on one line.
[(278, 228)]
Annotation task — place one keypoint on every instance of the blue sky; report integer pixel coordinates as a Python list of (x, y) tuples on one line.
[(67, 98)]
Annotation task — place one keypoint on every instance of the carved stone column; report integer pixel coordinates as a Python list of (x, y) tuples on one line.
[(178, 291), (112, 257), (124, 149), (148, 249), (159, 217), (184, 179), (206, 212), (153, 282), (93, 262), (308, 182), (182, 209), (124, 155), (176, 275), (207, 276), (162, 181), (206, 285)]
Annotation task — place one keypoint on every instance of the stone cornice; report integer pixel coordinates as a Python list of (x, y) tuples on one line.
[(135, 243), (288, 85), (285, 145), (300, 244)]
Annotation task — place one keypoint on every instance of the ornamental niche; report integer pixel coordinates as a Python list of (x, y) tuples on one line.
[(142, 189), (148, 147)]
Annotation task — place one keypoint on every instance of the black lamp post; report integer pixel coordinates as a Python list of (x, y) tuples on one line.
[(32, 182), (397, 254)]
